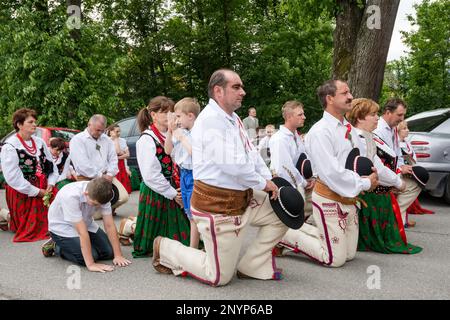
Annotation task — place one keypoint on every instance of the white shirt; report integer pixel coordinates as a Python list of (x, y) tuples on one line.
[(70, 207), (180, 155), (92, 158), (66, 168), (10, 165), (150, 166), (386, 176), (264, 143), (285, 149), (328, 150), (222, 153), (390, 137)]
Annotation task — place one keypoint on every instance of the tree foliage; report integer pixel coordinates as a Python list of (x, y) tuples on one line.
[(128, 51), (422, 78)]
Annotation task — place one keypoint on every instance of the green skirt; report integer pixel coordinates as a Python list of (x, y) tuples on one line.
[(158, 216), (135, 179), (62, 183), (378, 228)]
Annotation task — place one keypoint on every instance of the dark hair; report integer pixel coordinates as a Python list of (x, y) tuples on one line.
[(218, 78), (328, 88), (111, 128), (21, 115), (392, 105), (100, 189), (157, 104), (57, 143)]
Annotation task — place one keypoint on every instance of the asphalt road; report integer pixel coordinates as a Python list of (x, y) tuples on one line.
[(26, 274)]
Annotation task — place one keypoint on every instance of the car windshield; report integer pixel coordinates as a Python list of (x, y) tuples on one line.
[(66, 135), (427, 124)]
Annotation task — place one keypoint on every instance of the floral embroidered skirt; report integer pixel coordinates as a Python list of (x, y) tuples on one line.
[(158, 216), (378, 227), (28, 215)]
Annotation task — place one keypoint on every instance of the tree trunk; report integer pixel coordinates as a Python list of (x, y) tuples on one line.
[(227, 44), (361, 62), (348, 21)]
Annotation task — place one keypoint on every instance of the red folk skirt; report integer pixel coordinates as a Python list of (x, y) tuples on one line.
[(123, 177), (28, 214)]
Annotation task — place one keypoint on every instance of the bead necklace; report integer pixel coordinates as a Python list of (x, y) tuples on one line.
[(31, 150)]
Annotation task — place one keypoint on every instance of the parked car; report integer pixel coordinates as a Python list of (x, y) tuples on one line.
[(129, 130), (430, 137), (45, 133)]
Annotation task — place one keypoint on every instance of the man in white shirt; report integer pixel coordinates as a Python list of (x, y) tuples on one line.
[(263, 145), (286, 146), (393, 113), (251, 124), (328, 145), (229, 179), (74, 234), (93, 155)]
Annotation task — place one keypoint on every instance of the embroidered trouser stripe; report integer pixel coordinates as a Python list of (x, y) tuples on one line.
[(337, 227), (223, 236)]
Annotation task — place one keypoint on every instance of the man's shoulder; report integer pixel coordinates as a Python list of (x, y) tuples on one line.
[(78, 136)]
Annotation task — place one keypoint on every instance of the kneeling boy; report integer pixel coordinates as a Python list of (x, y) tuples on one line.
[(74, 234)]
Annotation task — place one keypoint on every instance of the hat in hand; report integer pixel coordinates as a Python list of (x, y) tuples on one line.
[(304, 166), (115, 196), (289, 206), (359, 164), (421, 175)]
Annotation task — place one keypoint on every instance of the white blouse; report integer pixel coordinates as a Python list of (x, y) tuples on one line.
[(66, 169), (386, 176), (10, 165), (150, 166)]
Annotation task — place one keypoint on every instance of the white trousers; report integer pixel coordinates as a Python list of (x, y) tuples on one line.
[(223, 236), (335, 239), (407, 197)]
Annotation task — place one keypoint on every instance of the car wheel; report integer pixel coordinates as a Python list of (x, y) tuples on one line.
[(447, 191)]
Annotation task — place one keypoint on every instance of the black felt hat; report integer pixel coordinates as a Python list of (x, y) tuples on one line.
[(289, 206), (304, 166), (359, 164), (421, 175)]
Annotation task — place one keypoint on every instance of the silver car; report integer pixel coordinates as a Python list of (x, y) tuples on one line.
[(430, 137)]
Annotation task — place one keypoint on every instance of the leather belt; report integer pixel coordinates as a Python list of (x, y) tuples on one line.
[(323, 190), (215, 200)]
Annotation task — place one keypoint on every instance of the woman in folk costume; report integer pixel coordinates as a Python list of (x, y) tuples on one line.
[(122, 155), (27, 164), (411, 159), (60, 156), (160, 199), (380, 223)]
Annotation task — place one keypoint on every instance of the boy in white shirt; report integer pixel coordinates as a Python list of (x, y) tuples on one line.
[(179, 142), (74, 234)]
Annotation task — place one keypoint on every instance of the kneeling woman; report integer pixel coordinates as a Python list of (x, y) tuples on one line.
[(380, 223), (159, 199), (26, 164)]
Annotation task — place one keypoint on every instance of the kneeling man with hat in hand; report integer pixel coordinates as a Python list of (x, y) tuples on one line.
[(232, 190)]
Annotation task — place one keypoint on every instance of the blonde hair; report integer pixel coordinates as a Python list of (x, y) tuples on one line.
[(289, 107), (270, 126), (361, 107), (188, 105), (402, 125)]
